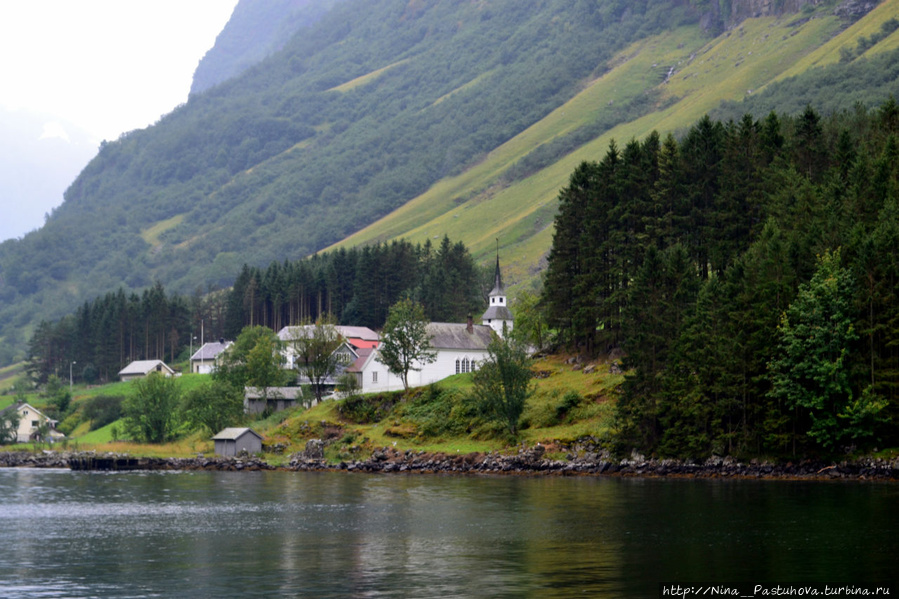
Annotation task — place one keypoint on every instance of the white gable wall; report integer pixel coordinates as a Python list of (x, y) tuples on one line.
[(376, 377)]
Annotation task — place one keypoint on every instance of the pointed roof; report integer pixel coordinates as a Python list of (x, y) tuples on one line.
[(498, 288)]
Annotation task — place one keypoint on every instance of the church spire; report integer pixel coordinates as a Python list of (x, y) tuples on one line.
[(498, 317)]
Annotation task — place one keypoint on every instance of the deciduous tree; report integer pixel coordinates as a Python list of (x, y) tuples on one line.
[(405, 344), (502, 383), (151, 411)]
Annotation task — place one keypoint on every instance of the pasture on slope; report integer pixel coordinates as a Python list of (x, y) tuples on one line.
[(480, 206)]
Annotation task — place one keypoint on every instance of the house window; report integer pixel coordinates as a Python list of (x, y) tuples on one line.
[(374, 376), (35, 423)]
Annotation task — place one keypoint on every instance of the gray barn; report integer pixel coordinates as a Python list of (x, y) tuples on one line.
[(231, 441)]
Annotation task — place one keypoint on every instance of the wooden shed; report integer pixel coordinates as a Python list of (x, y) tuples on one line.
[(232, 441)]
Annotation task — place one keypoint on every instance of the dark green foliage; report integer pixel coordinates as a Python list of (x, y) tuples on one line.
[(9, 426), (151, 412), (102, 410), (502, 383), (569, 401), (213, 407), (436, 412), (365, 409), (253, 360), (688, 262)]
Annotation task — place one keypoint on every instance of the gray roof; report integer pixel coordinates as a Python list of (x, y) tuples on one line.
[(143, 367), (233, 434), (451, 335), (497, 313), (209, 351), (274, 393), (293, 332)]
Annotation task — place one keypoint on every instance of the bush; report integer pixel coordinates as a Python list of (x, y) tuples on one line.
[(102, 410), (365, 409), (570, 400), (437, 411)]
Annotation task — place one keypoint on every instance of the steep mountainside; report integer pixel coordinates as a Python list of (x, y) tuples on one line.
[(257, 29), (436, 117)]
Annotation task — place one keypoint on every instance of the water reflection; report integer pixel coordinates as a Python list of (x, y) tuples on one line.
[(343, 535)]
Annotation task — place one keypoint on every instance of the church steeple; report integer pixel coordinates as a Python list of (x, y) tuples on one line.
[(498, 316)]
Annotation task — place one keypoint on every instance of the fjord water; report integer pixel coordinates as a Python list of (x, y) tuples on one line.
[(284, 534)]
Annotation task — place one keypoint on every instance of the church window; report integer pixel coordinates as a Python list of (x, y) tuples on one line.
[(458, 367), (374, 376), (465, 365)]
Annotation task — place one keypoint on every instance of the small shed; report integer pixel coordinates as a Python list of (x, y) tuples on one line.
[(231, 441)]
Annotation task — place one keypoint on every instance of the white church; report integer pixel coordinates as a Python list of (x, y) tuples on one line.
[(460, 347)]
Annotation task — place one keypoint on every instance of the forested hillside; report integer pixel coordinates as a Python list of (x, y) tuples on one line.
[(435, 117), (749, 274)]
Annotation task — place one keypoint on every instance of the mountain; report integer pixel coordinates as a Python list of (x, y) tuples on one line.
[(393, 118), (257, 29)]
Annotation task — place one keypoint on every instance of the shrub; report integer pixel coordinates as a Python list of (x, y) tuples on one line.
[(102, 410)]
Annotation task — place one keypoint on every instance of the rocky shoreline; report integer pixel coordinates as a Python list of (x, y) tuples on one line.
[(526, 462), (92, 461), (532, 461)]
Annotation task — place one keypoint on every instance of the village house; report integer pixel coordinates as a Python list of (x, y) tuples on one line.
[(274, 399), (30, 422), (355, 338), (142, 368), (206, 359)]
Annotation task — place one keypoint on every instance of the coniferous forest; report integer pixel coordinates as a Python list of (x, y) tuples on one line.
[(356, 286), (748, 273)]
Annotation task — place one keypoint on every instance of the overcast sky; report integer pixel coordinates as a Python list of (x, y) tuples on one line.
[(77, 72), (108, 66)]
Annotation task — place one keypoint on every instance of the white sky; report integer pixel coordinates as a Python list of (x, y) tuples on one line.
[(107, 66)]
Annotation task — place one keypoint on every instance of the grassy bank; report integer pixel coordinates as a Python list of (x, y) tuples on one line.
[(570, 401)]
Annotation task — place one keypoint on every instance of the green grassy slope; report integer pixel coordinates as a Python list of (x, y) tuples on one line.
[(480, 206)]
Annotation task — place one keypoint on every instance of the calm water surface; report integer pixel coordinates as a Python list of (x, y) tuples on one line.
[(278, 534)]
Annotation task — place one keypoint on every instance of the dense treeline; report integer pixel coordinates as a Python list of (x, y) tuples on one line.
[(749, 273), (106, 334), (356, 286)]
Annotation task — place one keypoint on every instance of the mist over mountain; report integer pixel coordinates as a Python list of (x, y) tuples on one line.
[(312, 122), (40, 155)]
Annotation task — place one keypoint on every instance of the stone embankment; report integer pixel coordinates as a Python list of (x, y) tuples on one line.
[(526, 462), (88, 460), (532, 461)]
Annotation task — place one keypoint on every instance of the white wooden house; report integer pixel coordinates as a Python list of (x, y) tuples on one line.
[(460, 347), (206, 359), (142, 368), (30, 421)]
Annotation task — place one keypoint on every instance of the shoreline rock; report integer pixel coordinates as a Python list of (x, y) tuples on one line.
[(532, 462), (92, 461), (526, 462)]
